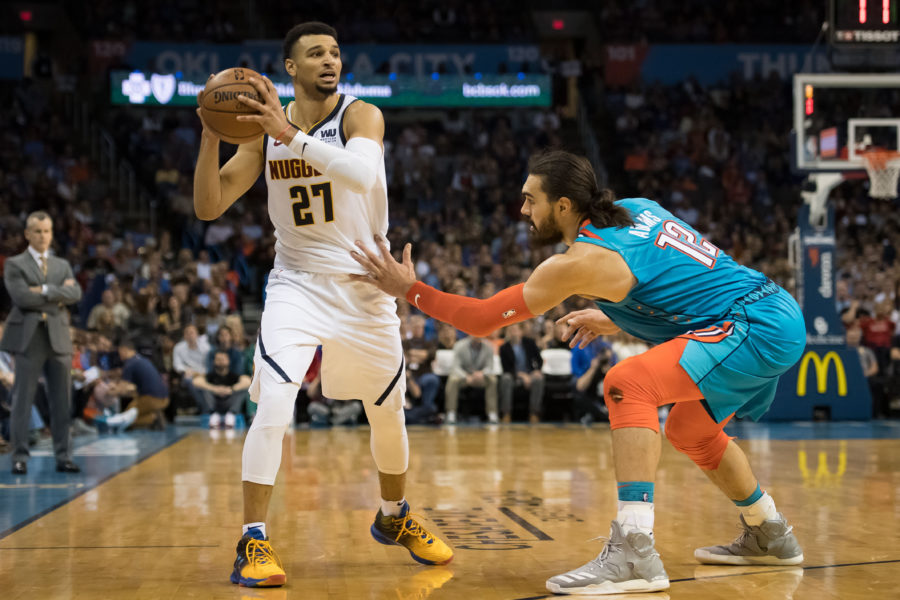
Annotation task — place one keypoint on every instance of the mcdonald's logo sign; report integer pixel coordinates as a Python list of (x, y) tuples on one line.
[(822, 366)]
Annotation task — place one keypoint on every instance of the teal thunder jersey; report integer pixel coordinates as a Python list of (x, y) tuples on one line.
[(683, 281)]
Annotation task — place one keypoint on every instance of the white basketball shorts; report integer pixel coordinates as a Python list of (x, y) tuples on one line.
[(355, 323)]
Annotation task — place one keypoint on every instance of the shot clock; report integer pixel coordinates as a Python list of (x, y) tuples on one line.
[(869, 23)]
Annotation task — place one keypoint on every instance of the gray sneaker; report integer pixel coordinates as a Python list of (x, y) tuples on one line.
[(770, 543), (628, 563)]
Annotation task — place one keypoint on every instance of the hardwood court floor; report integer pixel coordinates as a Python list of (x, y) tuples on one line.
[(518, 503)]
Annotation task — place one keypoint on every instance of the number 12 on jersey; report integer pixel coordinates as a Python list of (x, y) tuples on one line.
[(300, 208), (685, 241)]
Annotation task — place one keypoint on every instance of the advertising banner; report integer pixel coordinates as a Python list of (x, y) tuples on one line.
[(815, 282), (200, 60), (708, 63), (157, 89), (625, 63), (829, 376)]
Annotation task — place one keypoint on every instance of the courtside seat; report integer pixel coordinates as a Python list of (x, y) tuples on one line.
[(558, 386), (557, 362), (441, 366), (442, 363)]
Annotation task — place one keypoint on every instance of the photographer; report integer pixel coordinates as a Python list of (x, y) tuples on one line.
[(589, 366)]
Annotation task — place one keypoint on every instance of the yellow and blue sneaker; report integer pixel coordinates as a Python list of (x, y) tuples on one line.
[(405, 531), (256, 564)]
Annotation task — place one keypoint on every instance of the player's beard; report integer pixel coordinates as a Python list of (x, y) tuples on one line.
[(326, 90), (547, 234)]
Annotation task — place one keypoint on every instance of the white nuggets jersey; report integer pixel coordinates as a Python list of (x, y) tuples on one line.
[(316, 219)]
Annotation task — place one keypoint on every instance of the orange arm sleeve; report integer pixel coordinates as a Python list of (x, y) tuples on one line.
[(471, 315)]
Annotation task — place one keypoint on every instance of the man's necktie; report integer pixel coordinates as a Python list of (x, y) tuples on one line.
[(44, 265)]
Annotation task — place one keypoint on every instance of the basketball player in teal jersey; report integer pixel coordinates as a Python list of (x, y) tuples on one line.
[(323, 160), (723, 333)]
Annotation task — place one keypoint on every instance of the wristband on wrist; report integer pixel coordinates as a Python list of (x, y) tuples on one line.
[(285, 130)]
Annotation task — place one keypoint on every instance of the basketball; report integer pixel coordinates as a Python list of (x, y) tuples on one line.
[(220, 105)]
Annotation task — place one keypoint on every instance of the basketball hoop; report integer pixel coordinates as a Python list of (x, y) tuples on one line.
[(883, 167)]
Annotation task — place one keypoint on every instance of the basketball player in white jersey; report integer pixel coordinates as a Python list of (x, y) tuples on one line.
[(323, 160)]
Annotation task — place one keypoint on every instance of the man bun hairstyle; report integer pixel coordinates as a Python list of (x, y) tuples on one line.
[(565, 174), (309, 28)]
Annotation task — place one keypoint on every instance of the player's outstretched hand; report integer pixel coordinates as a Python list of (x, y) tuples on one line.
[(584, 326), (271, 117), (383, 271)]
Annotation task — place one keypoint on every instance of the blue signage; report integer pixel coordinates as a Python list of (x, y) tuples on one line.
[(708, 63), (815, 281), (193, 60), (829, 375), (11, 57)]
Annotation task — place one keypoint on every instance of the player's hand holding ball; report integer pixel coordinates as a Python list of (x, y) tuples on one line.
[(265, 109), (223, 104)]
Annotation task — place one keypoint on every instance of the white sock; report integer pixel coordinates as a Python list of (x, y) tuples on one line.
[(260, 526), (761, 510), (392, 507), (636, 515)]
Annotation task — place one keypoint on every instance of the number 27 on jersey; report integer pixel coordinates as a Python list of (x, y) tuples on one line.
[(301, 208)]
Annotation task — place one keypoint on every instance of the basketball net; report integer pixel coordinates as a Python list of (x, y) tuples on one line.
[(883, 167)]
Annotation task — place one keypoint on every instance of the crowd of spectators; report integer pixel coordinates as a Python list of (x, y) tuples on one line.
[(698, 151), (697, 21), (182, 20), (139, 290), (456, 21), (391, 21)]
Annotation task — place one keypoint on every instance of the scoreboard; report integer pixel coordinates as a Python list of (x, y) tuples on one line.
[(870, 23)]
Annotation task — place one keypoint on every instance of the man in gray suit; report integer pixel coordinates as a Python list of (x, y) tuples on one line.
[(473, 362), (37, 336)]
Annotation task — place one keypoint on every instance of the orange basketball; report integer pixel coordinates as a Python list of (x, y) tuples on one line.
[(220, 106)]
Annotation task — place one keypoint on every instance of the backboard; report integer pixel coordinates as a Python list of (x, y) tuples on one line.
[(837, 115)]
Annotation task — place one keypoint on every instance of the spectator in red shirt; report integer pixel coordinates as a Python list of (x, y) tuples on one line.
[(878, 332)]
